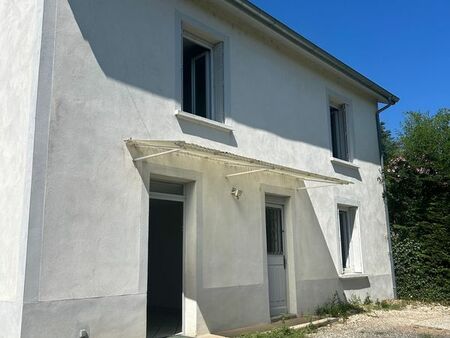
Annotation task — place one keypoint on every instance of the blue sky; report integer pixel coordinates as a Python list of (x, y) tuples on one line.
[(403, 45)]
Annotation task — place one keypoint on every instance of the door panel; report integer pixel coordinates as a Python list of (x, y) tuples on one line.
[(276, 260)]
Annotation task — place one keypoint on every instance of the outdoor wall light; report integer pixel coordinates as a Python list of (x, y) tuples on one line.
[(84, 333), (236, 193)]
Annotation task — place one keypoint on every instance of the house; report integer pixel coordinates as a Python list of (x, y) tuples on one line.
[(183, 160)]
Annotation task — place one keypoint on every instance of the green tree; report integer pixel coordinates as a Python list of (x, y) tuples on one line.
[(417, 177), (389, 143)]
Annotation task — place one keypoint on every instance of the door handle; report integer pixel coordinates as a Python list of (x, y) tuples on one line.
[(284, 262)]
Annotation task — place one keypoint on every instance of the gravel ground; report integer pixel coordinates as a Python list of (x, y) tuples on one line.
[(414, 321)]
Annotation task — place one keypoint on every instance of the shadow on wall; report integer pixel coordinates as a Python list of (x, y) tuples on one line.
[(319, 279), (124, 41), (208, 133), (355, 284), (130, 44), (347, 171)]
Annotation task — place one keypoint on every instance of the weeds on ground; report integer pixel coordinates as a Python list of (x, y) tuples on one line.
[(343, 309), (339, 308), (384, 304), (336, 307), (282, 332)]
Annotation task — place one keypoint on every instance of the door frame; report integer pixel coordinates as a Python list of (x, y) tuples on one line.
[(286, 197), (193, 187), (181, 199), (278, 203)]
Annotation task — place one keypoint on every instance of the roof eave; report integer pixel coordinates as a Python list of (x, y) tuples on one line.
[(292, 36)]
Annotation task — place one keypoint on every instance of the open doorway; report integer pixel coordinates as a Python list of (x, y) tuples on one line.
[(165, 260)]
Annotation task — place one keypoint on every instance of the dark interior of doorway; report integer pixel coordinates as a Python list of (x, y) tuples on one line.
[(164, 297)]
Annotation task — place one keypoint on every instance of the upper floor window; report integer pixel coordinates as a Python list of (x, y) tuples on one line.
[(339, 138), (203, 77)]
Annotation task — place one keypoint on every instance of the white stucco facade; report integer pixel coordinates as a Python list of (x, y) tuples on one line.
[(75, 206)]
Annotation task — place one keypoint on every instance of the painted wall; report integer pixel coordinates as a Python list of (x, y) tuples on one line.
[(20, 24), (115, 76)]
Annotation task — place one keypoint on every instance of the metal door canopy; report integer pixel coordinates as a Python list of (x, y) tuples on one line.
[(150, 149)]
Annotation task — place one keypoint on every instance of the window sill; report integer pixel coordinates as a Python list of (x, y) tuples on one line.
[(352, 275), (181, 115), (344, 163)]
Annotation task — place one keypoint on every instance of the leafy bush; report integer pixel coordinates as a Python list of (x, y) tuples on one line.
[(417, 177)]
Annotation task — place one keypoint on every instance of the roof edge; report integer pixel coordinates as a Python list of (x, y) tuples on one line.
[(282, 29)]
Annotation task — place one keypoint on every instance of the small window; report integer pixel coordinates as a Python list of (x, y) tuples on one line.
[(350, 248), (274, 230), (202, 77), (339, 132)]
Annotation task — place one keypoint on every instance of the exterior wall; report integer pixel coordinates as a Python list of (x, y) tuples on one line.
[(20, 24), (115, 76)]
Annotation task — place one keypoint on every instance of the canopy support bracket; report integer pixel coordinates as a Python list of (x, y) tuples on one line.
[(317, 186), (247, 172), (155, 155)]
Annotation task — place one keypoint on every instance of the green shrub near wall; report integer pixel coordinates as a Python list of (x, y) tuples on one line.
[(417, 177)]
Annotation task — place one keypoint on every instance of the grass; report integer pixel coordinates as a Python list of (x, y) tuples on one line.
[(282, 332)]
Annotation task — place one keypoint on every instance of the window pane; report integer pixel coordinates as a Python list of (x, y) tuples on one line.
[(339, 133), (196, 78), (334, 130), (274, 231), (200, 84), (345, 238)]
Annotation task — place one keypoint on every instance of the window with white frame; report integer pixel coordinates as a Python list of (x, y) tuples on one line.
[(349, 240), (203, 77), (339, 132)]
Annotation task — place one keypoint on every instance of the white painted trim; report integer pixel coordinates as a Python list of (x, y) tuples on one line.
[(279, 203), (207, 57), (197, 39), (192, 224), (353, 275), (185, 24), (335, 99), (346, 203), (203, 121)]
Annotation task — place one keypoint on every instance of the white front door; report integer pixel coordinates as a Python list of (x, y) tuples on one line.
[(276, 260)]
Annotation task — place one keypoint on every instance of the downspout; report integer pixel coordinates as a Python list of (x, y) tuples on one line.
[(390, 103)]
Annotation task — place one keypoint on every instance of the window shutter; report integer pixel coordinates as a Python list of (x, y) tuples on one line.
[(218, 86)]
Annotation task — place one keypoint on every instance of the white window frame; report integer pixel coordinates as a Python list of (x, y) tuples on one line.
[(210, 111), (186, 26), (337, 101), (342, 114), (355, 248)]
